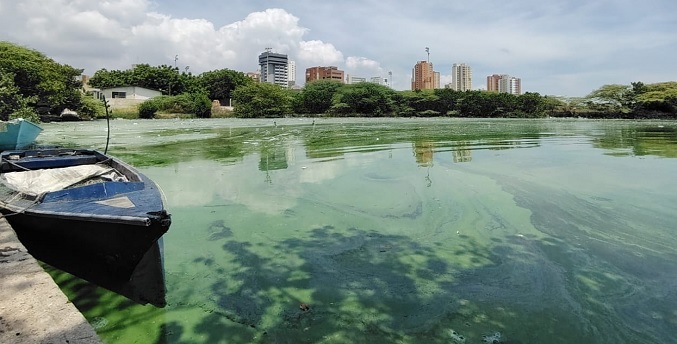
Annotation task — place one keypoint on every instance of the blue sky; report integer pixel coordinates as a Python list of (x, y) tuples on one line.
[(565, 48)]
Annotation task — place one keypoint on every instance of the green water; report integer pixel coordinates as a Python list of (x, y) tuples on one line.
[(400, 231)]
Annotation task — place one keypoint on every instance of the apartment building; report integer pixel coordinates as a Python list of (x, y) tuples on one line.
[(324, 73), (461, 77), (423, 76), (504, 83)]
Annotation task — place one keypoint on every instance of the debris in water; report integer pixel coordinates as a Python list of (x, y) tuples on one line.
[(493, 339), (304, 307), (456, 337), (98, 322)]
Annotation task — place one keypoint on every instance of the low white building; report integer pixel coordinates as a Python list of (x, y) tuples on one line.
[(125, 96), (127, 92)]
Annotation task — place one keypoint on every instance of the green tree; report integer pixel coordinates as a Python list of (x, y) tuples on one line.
[(610, 98), (261, 100), (219, 84), (530, 105), (104, 78), (364, 98), (476, 104), (423, 103), (41, 80), (12, 103), (316, 96), (164, 78)]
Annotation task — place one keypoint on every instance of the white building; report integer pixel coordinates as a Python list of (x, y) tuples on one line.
[(125, 96), (126, 92), (510, 84), (461, 77), (351, 79), (291, 73)]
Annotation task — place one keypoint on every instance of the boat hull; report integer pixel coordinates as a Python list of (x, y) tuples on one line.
[(118, 247), (18, 134)]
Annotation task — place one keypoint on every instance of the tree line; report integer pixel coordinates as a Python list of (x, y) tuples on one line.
[(33, 84)]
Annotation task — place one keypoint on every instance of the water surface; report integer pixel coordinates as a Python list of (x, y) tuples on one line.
[(409, 231)]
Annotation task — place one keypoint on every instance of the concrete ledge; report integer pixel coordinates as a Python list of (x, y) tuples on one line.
[(32, 307)]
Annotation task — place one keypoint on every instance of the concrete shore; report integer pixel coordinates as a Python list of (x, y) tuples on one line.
[(32, 307)]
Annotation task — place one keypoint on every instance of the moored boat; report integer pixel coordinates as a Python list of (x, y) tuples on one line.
[(18, 134), (80, 205)]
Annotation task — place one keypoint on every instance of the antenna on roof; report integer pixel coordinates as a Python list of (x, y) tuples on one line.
[(269, 50)]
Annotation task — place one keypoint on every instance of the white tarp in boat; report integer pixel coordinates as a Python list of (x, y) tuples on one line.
[(39, 181)]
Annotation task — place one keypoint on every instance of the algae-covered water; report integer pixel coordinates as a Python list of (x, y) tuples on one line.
[(400, 231)]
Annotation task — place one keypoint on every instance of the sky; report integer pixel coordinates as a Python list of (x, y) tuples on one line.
[(558, 47)]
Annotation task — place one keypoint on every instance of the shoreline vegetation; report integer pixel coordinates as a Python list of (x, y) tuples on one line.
[(35, 87)]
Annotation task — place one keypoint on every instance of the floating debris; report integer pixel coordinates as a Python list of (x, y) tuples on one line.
[(304, 307), (98, 323), (456, 337), (493, 339)]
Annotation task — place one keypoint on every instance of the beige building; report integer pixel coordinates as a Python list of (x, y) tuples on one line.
[(461, 77)]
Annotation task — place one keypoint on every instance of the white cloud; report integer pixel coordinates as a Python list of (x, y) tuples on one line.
[(319, 53), (363, 67)]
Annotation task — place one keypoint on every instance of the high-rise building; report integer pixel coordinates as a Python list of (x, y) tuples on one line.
[(422, 76), (274, 68), (324, 73), (504, 83), (461, 77), (492, 82), (291, 73)]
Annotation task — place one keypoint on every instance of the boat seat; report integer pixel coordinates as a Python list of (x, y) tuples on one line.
[(55, 162)]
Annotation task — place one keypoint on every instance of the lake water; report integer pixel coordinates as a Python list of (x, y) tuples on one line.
[(400, 230)]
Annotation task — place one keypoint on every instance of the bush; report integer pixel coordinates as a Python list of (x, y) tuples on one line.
[(148, 109), (199, 104), (91, 108)]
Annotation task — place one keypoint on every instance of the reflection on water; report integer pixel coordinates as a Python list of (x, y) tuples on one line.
[(350, 231)]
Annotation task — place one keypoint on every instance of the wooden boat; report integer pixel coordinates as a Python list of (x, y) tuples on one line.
[(86, 213), (18, 134)]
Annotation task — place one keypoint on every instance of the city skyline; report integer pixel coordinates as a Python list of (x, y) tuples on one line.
[(568, 49)]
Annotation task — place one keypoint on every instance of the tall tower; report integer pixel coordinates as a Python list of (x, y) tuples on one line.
[(461, 77), (274, 68), (422, 76), (493, 82), (291, 73)]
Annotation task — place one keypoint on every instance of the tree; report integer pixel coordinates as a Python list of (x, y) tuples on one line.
[(610, 98), (423, 103), (12, 103), (219, 84), (261, 100), (364, 98), (531, 105), (316, 96), (164, 78), (104, 78), (41, 80)]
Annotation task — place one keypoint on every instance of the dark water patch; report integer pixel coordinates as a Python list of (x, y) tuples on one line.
[(218, 230)]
